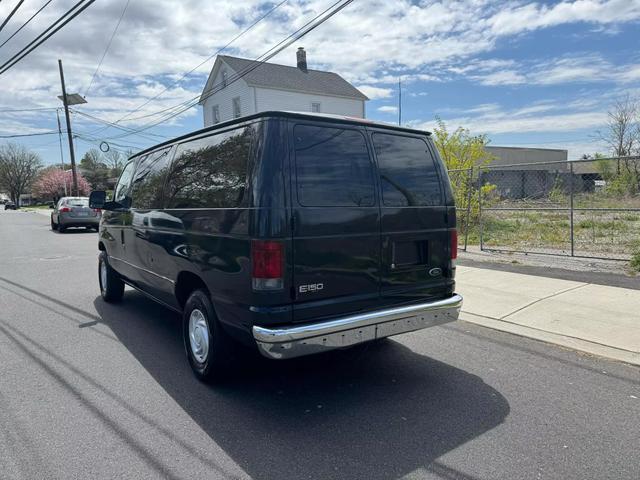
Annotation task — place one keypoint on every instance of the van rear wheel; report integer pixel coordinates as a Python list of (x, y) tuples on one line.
[(208, 347)]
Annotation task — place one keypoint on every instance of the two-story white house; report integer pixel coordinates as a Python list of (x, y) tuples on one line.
[(237, 87)]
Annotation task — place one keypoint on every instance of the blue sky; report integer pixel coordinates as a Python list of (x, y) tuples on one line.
[(525, 73)]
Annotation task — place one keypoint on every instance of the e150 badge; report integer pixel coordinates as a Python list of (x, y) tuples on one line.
[(313, 287)]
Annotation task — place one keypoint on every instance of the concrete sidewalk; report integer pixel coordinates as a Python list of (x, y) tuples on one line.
[(597, 319)]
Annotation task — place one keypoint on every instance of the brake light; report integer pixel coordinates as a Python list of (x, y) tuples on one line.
[(267, 264), (454, 244), (65, 210)]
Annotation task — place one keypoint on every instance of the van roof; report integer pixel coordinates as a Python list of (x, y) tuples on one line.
[(286, 114)]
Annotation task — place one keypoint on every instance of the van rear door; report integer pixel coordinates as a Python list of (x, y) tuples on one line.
[(336, 220), (417, 216)]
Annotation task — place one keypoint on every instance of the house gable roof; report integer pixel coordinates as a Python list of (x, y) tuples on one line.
[(283, 77)]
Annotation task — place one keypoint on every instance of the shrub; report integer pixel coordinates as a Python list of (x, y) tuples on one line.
[(634, 264)]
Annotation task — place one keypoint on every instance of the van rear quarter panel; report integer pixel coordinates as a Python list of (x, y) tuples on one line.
[(218, 241)]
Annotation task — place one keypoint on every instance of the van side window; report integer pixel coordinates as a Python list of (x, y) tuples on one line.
[(121, 192), (408, 173), (333, 167), (149, 180), (211, 172)]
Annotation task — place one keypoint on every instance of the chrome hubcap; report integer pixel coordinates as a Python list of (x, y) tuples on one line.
[(103, 276), (199, 335)]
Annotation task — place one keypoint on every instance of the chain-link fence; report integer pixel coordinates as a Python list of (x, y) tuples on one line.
[(588, 208)]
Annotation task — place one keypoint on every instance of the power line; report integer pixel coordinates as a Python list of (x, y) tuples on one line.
[(273, 51), (25, 23), (72, 13), (96, 141), (37, 109), (245, 31), (11, 14), (104, 54), (119, 127), (29, 134)]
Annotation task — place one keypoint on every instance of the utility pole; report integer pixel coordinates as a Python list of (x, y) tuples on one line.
[(399, 101), (66, 113), (61, 152)]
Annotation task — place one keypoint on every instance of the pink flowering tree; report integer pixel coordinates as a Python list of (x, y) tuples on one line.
[(51, 184)]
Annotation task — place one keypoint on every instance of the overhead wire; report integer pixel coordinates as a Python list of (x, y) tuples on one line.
[(72, 13), (273, 51), (25, 23), (29, 134), (36, 109), (119, 127), (104, 54), (11, 14), (217, 52)]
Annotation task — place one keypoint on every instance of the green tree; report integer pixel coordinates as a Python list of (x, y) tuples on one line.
[(463, 153), (460, 149), (94, 169)]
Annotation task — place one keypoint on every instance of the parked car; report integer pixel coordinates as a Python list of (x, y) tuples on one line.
[(74, 212), (9, 205), (293, 233)]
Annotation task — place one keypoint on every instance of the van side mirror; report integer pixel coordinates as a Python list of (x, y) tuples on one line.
[(97, 199)]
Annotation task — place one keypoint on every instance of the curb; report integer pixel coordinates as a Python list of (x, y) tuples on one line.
[(573, 343)]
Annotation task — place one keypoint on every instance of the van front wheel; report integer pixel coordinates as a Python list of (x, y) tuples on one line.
[(111, 285), (208, 347)]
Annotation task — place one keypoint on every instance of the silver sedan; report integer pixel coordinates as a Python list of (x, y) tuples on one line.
[(74, 212)]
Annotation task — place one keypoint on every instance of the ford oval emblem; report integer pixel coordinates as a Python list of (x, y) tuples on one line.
[(435, 272)]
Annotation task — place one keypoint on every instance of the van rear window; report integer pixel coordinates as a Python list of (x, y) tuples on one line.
[(408, 171), (333, 167)]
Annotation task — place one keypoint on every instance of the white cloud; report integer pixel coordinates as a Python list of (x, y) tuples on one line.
[(518, 18), (573, 68), (375, 93), (388, 109), (504, 77), (539, 117)]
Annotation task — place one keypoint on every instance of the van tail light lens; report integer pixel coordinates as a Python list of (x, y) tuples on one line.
[(267, 264), (454, 244), (65, 210)]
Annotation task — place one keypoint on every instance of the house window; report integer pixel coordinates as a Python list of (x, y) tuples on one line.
[(224, 78), (236, 107), (315, 107), (215, 117)]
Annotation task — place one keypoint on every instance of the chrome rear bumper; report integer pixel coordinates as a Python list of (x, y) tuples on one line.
[(299, 340)]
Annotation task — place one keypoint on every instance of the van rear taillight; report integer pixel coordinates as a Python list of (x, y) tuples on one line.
[(267, 264), (454, 244)]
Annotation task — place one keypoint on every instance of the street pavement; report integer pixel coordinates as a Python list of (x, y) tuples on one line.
[(90, 390)]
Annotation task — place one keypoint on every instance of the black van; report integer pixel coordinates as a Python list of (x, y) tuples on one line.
[(293, 232)]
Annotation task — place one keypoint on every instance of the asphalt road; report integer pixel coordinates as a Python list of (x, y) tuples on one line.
[(90, 390)]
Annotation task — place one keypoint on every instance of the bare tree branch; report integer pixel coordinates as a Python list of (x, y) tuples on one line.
[(18, 168)]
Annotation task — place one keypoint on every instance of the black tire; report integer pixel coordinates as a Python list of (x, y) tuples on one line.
[(54, 226), (218, 361), (61, 228), (113, 290)]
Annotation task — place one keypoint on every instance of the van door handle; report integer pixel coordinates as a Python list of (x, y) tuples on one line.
[(122, 236)]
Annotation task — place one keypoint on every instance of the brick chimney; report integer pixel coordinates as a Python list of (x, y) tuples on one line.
[(301, 56)]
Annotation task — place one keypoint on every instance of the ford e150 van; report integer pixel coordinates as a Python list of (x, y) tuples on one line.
[(294, 233)]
